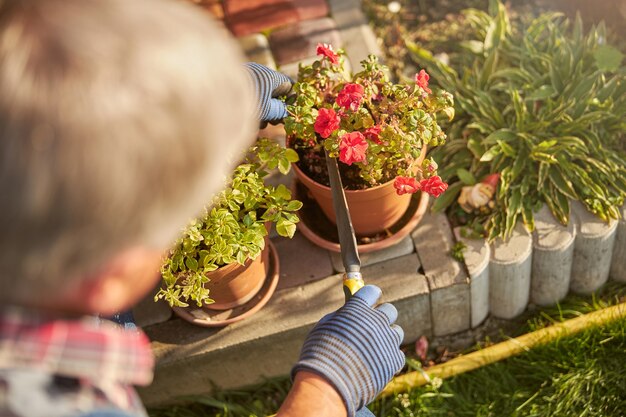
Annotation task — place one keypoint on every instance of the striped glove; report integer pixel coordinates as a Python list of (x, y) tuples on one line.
[(268, 85), (356, 349)]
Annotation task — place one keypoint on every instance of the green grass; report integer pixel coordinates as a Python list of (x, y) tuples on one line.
[(581, 375)]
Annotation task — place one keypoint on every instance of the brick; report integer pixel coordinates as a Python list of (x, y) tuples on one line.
[(593, 250), (249, 16), (476, 257), (404, 247), (618, 261), (553, 253), (447, 280), (407, 289), (301, 261), (509, 274), (257, 49), (299, 40)]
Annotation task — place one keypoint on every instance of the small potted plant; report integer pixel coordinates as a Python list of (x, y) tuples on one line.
[(379, 131), (221, 260)]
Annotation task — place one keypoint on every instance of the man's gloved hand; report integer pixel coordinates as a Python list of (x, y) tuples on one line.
[(356, 348), (268, 85)]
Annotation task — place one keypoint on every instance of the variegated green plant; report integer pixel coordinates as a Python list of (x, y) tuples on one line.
[(232, 228), (542, 104)]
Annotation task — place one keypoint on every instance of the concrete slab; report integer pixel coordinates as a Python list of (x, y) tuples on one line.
[(592, 251), (301, 261), (447, 280), (257, 49), (404, 247), (147, 312), (476, 256), (407, 289), (298, 41), (509, 274), (553, 253), (618, 261), (358, 38)]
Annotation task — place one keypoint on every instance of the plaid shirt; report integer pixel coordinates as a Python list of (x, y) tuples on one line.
[(56, 368)]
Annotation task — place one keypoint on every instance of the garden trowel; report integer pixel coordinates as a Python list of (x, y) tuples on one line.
[(352, 279)]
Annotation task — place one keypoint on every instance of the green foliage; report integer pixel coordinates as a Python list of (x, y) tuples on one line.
[(233, 227), (407, 117), (545, 106)]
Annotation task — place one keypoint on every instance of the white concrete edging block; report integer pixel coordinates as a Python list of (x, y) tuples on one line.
[(592, 251), (618, 262), (476, 256), (509, 274), (553, 254)]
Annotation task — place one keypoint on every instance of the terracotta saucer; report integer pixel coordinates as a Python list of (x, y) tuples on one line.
[(202, 316), (316, 227)]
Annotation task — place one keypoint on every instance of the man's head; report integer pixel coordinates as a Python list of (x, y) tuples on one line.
[(118, 120)]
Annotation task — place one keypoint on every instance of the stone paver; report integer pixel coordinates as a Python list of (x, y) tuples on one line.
[(553, 252), (476, 256), (447, 280), (249, 16), (257, 49), (301, 261), (592, 251), (509, 274), (147, 312), (404, 247), (358, 38), (407, 290), (618, 261), (299, 40)]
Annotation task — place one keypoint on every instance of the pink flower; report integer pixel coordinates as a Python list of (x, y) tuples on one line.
[(373, 134), (350, 96), (352, 148), (326, 50), (433, 186), (326, 123), (406, 185), (421, 79)]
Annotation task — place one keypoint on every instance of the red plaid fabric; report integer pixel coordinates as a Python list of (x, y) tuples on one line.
[(86, 349)]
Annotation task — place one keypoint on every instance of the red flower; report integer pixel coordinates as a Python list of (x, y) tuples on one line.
[(326, 123), (326, 50), (352, 148), (406, 185), (351, 96), (373, 134), (433, 186), (421, 79)]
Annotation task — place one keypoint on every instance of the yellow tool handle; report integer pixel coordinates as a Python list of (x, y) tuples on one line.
[(352, 282)]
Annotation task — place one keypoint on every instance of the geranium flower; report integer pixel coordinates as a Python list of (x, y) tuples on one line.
[(433, 186), (352, 148), (350, 96), (326, 50), (326, 123), (373, 134), (406, 185), (421, 79)]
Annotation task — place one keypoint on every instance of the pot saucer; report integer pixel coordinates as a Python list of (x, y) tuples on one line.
[(202, 316), (316, 227)]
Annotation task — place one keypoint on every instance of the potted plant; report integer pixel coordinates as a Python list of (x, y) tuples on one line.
[(221, 260), (379, 132)]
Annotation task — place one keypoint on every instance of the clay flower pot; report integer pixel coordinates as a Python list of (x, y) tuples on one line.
[(234, 285), (372, 210)]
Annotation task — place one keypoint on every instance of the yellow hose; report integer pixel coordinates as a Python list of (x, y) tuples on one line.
[(503, 350)]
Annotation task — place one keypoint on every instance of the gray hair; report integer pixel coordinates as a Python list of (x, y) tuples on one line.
[(118, 121)]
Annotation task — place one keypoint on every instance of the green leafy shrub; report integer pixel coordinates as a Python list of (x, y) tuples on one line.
[(545, 106), (233, 227)]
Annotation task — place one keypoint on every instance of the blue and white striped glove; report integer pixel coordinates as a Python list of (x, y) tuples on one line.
[(356, 349), (268, 85)]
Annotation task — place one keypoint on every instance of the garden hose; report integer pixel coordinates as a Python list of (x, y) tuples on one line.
[(503, 350)]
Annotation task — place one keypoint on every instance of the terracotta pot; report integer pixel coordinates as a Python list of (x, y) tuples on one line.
[(372, 210), (234, 285)]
